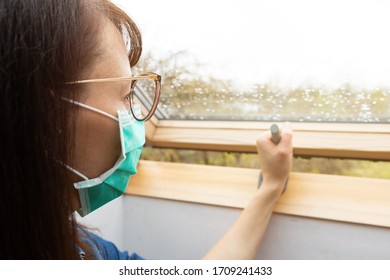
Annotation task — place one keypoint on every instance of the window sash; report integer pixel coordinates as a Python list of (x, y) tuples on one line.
[(339, 140)]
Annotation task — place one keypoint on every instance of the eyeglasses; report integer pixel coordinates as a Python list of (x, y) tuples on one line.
[(149, 83)]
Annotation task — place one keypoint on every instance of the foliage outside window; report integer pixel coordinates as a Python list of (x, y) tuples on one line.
[(186, 95)]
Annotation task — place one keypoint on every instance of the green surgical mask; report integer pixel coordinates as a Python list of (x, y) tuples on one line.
[(98, 191)]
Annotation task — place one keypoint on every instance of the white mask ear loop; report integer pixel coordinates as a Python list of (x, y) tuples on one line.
[(89, 108), (73, 170), (76, 172), (92, 109)]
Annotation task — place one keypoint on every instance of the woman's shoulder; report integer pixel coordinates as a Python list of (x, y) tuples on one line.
[(102, 249)]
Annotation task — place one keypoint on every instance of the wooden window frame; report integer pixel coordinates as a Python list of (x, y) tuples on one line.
[(340, 198), (332, 197)]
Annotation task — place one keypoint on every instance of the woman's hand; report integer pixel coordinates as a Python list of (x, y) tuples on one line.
[(275, 159)]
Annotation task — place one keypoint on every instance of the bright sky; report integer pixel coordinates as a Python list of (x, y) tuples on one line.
[(283, 42)]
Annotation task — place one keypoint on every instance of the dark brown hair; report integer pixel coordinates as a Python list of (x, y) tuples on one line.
[(44, 44)]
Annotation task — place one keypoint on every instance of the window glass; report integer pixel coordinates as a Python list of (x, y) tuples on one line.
[(276, 60)]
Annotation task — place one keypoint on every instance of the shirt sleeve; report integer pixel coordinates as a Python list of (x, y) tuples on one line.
[(106, 250)]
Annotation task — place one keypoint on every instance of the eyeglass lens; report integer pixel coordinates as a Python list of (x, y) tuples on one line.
[(144, 91)]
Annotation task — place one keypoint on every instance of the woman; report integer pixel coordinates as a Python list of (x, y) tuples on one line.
[(63, 124)]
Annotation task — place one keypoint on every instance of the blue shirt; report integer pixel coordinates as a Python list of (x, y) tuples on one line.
[(103, 249)]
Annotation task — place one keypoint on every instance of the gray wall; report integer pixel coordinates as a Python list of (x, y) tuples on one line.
[(163, 229)]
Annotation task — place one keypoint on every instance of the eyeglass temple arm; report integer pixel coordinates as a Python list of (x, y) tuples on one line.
[(143, 76)]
